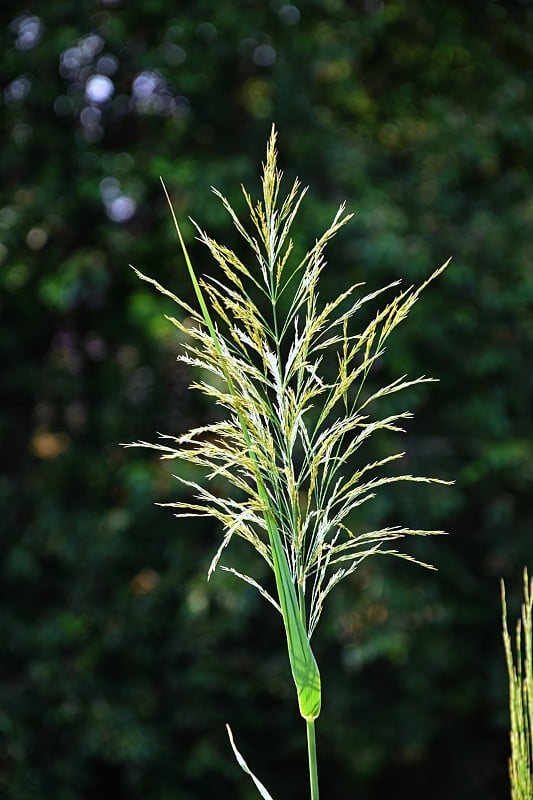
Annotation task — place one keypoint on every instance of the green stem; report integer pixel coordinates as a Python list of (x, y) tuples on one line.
[(311, 750), (301, 603)]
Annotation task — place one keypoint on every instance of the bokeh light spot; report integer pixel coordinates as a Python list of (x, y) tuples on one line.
[(174, 54), (29, 29), (47, 445), (145, 84), (21, 133), (289, 14), (264, 55), (107, 64), (99, 89), (121, 208), (180, 106), (144, 582), (36, 238), (206, 31), (63, 105), (18, 89)]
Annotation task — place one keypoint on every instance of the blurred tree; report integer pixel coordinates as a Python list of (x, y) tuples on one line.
[(117, 657)]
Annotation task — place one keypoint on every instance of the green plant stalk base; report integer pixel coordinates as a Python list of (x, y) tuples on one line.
[(311, 750)]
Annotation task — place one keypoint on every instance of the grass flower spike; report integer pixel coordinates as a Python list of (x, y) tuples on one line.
[(520, 672), (290, 437)]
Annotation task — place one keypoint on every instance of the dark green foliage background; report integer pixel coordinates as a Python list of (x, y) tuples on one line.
[(119, 665)]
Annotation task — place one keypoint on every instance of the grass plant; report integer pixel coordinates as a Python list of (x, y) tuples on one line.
[(520, 671), (290, 437)]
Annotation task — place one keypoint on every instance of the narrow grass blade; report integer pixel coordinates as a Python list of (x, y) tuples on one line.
[(244, 766)]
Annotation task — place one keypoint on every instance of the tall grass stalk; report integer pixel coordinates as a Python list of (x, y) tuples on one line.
[(520, 671), (290, 437)]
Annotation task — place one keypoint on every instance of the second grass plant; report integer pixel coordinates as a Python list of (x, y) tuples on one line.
[(520, 673), (291, 434)]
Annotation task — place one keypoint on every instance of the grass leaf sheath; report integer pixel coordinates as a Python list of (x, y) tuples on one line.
[(289, 375)]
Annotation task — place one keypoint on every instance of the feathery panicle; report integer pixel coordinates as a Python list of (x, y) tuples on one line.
[(291, 437)]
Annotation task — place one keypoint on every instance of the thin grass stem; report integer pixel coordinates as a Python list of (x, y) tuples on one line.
[(311, 751)]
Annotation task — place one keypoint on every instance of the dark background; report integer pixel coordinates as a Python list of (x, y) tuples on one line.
[(119, 665)]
